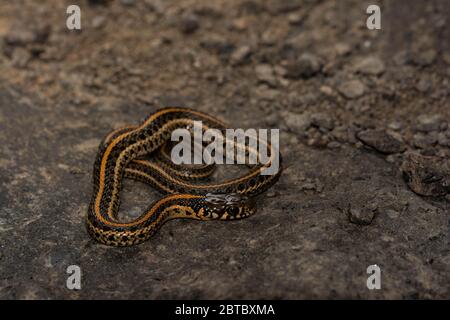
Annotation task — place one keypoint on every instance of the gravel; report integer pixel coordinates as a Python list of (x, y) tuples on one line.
[(361, 216), (297, 122), (427, 176), (351, 89), (381, 141), (307, 66), (427, 123), (370, 66), (322, 120), (241, 55), (265, 73), (189, 24), (316, 73)]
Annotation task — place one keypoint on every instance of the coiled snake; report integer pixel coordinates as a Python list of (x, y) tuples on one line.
[(121, 154)]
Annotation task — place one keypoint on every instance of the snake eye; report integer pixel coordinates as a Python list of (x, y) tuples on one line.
[(233, 211)]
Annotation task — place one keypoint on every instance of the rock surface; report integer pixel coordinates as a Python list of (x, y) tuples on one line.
[(427, 176), (352, 89), (381, 141), (337, 208)]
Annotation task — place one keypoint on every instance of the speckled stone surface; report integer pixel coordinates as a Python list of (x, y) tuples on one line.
[(339, 206)]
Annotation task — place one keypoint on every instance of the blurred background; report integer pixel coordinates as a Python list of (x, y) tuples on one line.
[(365, 137)]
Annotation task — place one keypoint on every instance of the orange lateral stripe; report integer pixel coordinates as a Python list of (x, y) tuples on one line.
[(114, 142)]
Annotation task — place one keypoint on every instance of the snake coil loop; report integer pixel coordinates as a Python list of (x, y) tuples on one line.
[(121, 155)]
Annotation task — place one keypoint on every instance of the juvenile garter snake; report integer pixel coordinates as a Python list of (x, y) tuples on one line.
[(120, 155)]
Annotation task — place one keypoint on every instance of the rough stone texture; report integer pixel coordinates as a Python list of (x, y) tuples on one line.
[(370, 65), (62, 91), (305, 67), (427, 176), (427, 123), (381, 141), (352, 89)]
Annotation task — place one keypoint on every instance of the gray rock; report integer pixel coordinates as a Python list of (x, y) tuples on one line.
[(269, 37), (333, 145), (425, 58), (322, 120), (341, 133), (52, 112), (351, 89), (280, 7), (128, 2), (370, 66), (395, 125), (19, 37), (363, 207), (98, 2), (393, 214), (241, 55), (427, 176), (265, 93), (446, 57), (422, 140), (189, 24), (217, 44), (381, 141), (306, 66), (20, 57), (427, 123), (444, 139), (28, 36), (310, 185), (98, 21), (297, 122), (342, 49), (295, 18), (361, 216), (265, 74), (424, 85)]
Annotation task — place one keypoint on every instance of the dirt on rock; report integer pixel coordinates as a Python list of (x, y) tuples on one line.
[(364, 119)]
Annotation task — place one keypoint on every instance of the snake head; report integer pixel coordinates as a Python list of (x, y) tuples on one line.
[(227, 206)]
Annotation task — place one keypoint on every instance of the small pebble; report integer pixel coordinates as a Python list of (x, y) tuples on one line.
[(98, 22), (19, 37), (425, 58), (342, 49), (306, 66), (322, 120), (361, 216), (444, 139), (351, 89), (295, 18), (333, 145), (381, 141), (395, 125), (427, 123), (265, 74), (424, 141), (127, 2), (427, 176), (189, 24), (370, 66), (326, 90), (297, 122), (424, 85), (392, 213)]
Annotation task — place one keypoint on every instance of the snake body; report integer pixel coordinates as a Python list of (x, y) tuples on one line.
[(121, 155)]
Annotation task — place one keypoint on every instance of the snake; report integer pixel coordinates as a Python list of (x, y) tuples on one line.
[(141, 152)]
